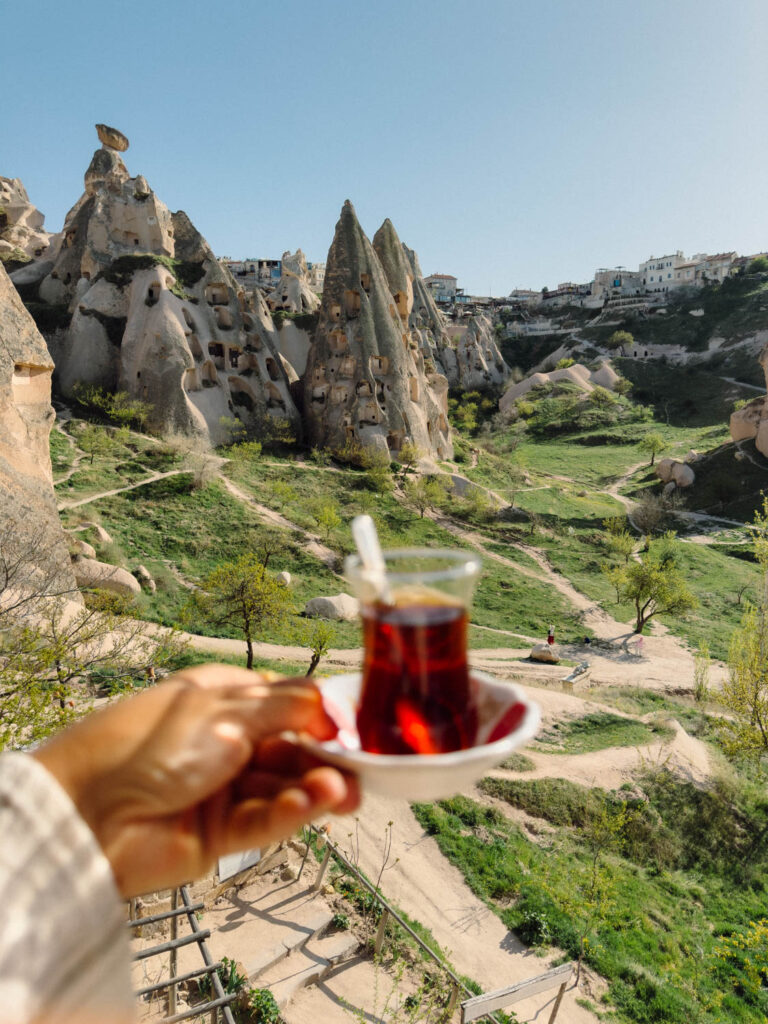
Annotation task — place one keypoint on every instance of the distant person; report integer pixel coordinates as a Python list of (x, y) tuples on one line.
[(551, 635), (142, 795), (587, 641)]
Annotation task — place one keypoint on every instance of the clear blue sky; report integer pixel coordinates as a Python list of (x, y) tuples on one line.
[(512, 143)]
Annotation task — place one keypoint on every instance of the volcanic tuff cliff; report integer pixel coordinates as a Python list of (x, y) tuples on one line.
[(28, 518), (21, 223), (365, 381), (153, 312)]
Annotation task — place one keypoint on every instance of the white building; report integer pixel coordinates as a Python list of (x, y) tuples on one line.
[(658, 272)]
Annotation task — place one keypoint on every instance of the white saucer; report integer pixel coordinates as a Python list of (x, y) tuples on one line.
[(422, 776)]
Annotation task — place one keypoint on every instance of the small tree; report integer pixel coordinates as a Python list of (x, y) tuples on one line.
[(95, 441), (654, 585), (321, 636), (327, 517), (759, 265), (622, 386), (649, 513), (652, 443), (745, 692), (426, 492), (621, 544), (242, 595), (409, 455), (620, 339)]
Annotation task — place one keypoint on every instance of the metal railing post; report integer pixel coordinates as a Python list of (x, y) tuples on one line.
[(172, 954)]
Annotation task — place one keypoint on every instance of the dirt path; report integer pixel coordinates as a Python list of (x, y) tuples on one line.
[(79, 454), (119, 490), (313, 545)]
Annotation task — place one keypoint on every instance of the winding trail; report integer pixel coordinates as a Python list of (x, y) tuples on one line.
[(62, 505)]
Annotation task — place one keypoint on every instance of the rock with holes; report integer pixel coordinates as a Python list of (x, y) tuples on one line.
[(480, 363), (150, 311), (365, 384), (94, 575), (293, 292), (30, 532), (340, 608)]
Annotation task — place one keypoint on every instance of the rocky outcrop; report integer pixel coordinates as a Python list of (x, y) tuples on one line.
[(153, 313), (429, 325), (480, 363), (579, 375), (548, 653), (21, 224), (366, 382), (28, 519), (293, 292)]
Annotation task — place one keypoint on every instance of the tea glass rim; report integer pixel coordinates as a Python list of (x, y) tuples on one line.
[(467, 564)]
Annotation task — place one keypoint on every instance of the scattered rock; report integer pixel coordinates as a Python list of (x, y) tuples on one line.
[(341, 608), (289, 873), (545, 652), (298, 846), (328, 889), (284, 577), (90, 573), (144, 577)]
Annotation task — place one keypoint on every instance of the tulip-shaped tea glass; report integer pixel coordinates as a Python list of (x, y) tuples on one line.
[(417, 696)]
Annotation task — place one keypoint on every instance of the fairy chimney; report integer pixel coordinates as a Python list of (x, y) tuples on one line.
[(365, 382)]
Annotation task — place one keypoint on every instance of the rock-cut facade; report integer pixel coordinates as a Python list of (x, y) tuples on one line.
[(152, 312), (366, 382)]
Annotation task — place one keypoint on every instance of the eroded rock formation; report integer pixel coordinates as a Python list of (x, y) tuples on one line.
[(584, 379), (365, 381), (21, 223), (28, 518), (293, 292), (153, 312), (480, 363)]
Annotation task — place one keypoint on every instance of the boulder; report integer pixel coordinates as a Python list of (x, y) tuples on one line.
[(101, 576), (145, 579), (82, 547), (672, 471), (545, 652), (284, 577), (341, 608)]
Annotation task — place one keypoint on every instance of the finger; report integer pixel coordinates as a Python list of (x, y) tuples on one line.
[(260, 821), (214, 676), (270, 710)]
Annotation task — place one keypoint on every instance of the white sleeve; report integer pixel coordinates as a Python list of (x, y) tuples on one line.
[(64, 952)]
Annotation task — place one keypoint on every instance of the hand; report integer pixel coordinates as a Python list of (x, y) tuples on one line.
[(193, 769)]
